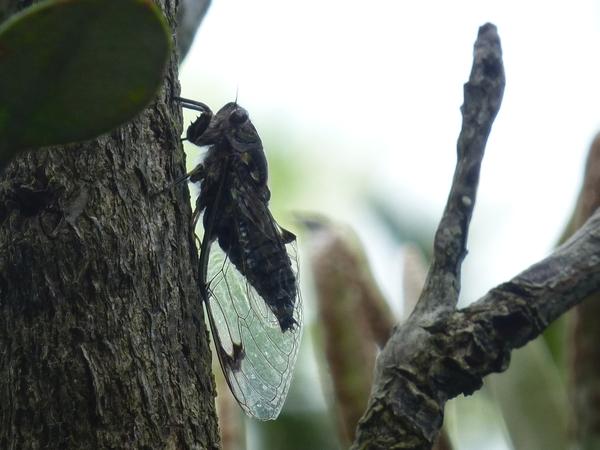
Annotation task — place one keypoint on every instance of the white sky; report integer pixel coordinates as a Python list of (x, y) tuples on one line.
[(372, 90), (375, 88)]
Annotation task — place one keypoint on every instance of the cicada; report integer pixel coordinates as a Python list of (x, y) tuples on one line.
[(248, 264)]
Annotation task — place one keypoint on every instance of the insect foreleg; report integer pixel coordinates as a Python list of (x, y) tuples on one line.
[(198, 126)]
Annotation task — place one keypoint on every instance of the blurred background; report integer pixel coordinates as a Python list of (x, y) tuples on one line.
[(357, 104)]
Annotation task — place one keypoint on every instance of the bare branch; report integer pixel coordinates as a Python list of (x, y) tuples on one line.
[(189, 18), (413, 279), (421, 368), (440, 352), (482, 99)]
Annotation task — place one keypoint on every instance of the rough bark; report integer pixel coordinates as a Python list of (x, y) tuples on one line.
[(584, 330), (423, 366), (102, 338), (413, 280), (441, 352)]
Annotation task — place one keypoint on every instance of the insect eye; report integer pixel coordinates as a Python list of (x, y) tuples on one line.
[(238, 116)]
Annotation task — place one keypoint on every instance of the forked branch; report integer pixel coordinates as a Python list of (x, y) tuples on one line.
[(483, 96), (441, 352)]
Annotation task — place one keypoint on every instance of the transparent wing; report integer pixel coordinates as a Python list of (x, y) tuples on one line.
[(256, 356)]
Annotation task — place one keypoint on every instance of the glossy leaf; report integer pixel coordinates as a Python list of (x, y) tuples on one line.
[(72, 70)]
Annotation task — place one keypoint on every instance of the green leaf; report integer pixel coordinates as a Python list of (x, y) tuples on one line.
[(71, 70)]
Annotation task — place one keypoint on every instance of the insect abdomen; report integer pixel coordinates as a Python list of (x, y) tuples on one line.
[(267, 267)]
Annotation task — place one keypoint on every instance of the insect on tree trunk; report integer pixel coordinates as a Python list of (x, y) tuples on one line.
[(102, 337)]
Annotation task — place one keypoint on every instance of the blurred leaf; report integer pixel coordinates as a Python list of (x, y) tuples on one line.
[(476, 423), (404, 226), (294, 432), (71, 70), (413, 276), (532, 397), (555, 337)]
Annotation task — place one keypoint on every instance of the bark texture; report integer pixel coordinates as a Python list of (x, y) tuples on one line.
[(424, 365), (102, 338)]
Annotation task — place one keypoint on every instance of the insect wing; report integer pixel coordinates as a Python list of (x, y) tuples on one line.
[(257, 358)]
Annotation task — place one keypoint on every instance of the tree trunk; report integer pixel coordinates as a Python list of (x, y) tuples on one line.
[(102, 337)]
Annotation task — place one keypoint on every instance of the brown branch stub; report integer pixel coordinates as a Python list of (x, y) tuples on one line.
[(583, 331), (482, 99), (353, 316)]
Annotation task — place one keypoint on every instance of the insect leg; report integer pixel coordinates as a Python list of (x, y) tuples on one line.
[(198, 126), (196, 213), (197, 174), (193, 104)]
